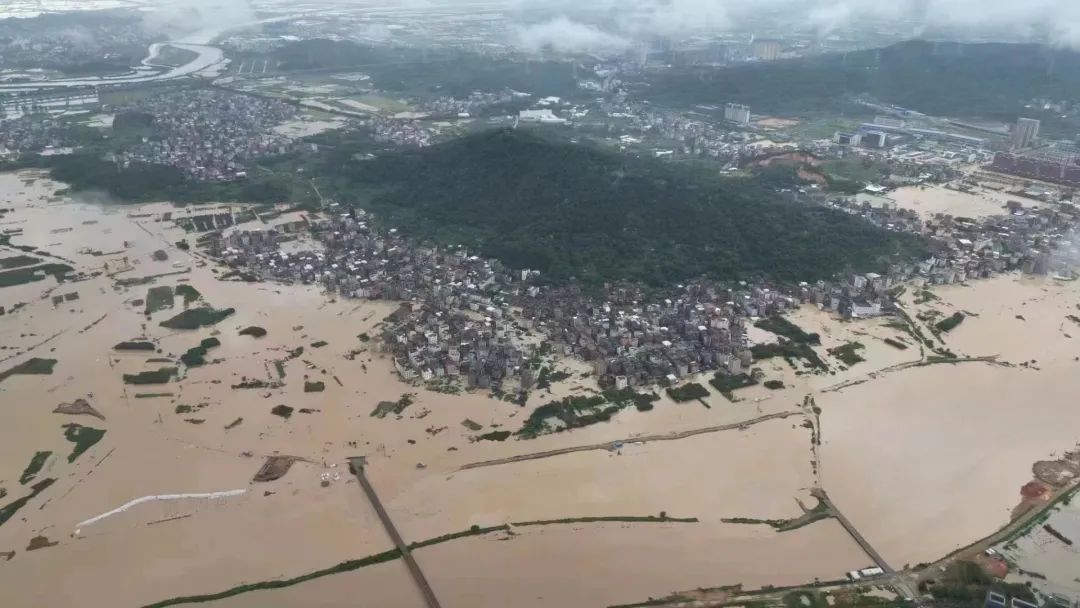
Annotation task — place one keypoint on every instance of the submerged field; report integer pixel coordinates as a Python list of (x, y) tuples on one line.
[(679, 497)]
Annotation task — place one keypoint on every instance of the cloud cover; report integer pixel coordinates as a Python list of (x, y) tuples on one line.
[(185, 16), (1054, 21), (564, 35)]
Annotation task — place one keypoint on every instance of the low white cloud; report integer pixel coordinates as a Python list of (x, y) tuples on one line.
[(1054, 21), (565, 35), (185, 16)]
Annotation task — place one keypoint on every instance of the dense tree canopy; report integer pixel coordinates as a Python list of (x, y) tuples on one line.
[(447, 72), (573, 210)]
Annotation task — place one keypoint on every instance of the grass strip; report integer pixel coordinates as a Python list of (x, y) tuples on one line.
[(386, 556), (618, 518), (346, 566), (30, 366), (32, 469), (12, 507)]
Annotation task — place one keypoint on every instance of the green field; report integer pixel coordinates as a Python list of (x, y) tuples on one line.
[(858, 169), (824, 128)]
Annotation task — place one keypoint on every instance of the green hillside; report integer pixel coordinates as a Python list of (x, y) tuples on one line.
[(576, 211), (993, 80)]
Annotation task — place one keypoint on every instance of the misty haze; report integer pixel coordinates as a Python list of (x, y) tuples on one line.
[(531, 304)]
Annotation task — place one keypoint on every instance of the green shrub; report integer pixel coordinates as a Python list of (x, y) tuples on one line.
[(949, 323), (36, 462), (254, 331), (194, 318), (783, 327), (687, 392), (158, 298), (136, 345), (848, 353), (494, 436), (189, 293), (20, 276), (83, 437), (160, 376), (896, 344), (34, 366)]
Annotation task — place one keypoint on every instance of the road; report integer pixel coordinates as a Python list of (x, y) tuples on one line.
[(612, 445), (904, 588), (356, 465)]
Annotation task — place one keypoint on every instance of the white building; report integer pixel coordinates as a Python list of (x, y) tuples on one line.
[(738, 114), (544, 116), (865, 311), (1024, 133)]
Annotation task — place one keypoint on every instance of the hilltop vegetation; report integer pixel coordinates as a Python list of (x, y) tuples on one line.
[(574, 210), (992, 81), (408, 70), (87, 170)]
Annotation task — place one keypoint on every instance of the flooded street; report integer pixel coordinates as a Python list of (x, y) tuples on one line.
[(930, 200)]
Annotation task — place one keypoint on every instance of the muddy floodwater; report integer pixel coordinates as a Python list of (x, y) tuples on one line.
[(1049, 554), (921, 459), (928, 201)]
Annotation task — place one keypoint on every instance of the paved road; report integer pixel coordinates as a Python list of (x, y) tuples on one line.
[(610, 445), (903, 586), (356, 465)]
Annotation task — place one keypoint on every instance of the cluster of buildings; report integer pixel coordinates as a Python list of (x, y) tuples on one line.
[(889, 131), (1028, 157), (1054, 165), (1031, 158), (33, 134), (401, 132), (671, 133), (472, 322), (210, 135), (1033, 239), (631, 340), (455, 327), (477, 103)]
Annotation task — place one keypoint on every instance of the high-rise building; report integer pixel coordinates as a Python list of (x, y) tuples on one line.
[(1024, 133), (639, 54), (846, 139), (738, 114), (873, 139), (765, 50)]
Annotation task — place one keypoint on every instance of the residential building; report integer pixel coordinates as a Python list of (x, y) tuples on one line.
[(1024, 133), (737, 114)]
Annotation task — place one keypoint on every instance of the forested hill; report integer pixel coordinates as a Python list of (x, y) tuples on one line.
[(412, 71), (992, 80), (573, 210)]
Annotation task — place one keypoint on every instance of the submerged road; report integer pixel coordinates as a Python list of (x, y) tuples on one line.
[(611, 445), (356, 465)]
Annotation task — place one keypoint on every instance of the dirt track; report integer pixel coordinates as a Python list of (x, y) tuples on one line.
[(610, 445)]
